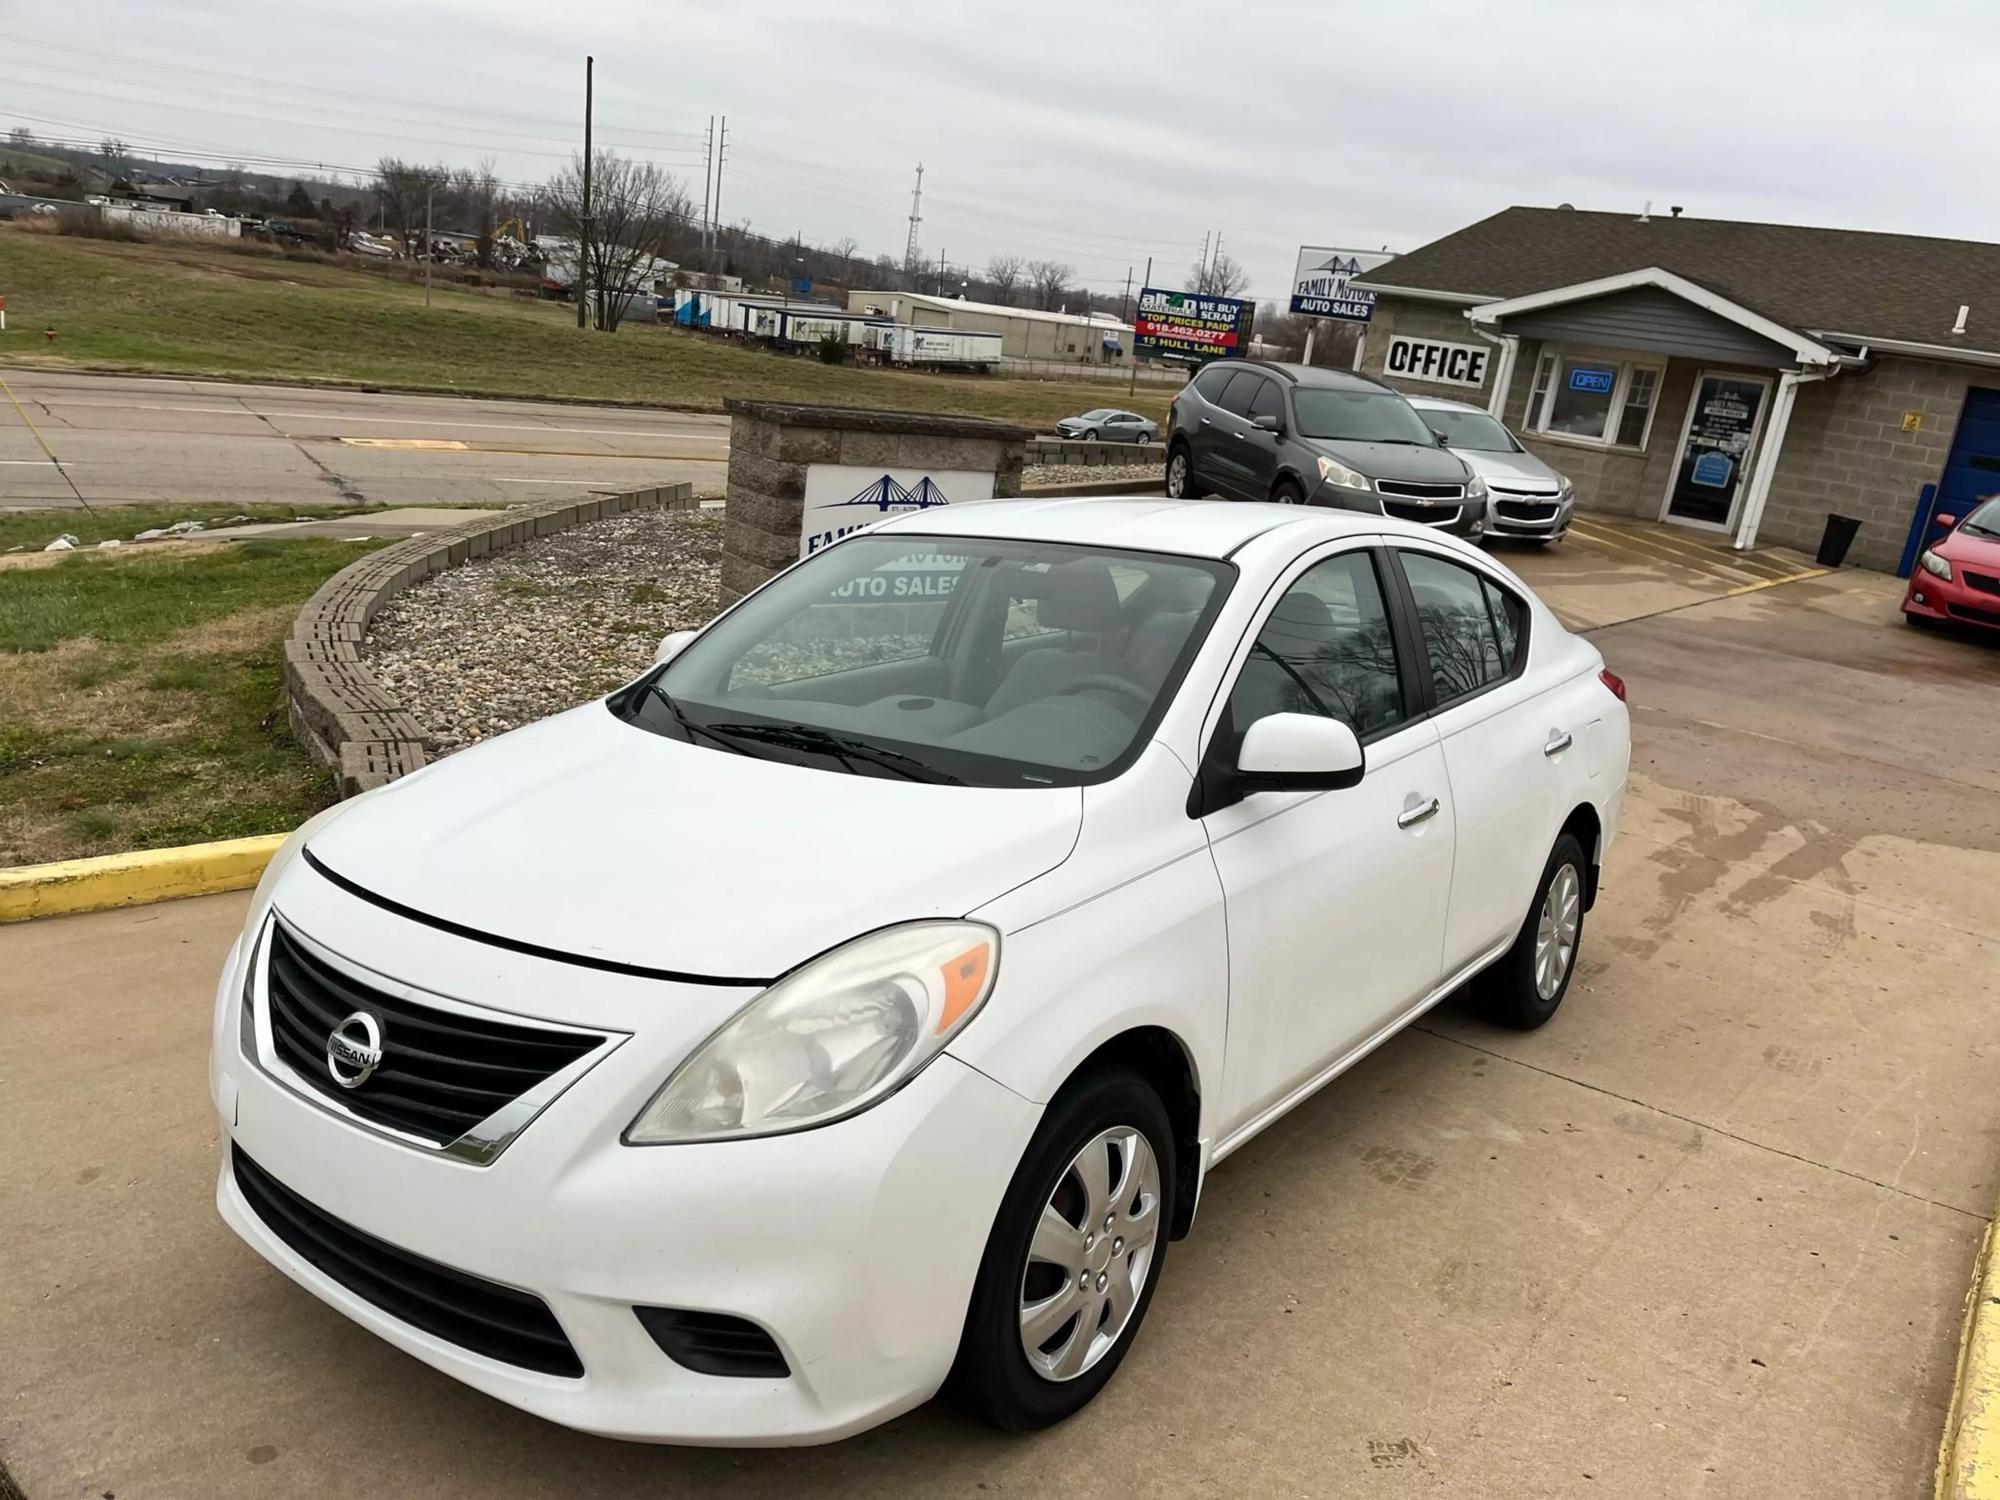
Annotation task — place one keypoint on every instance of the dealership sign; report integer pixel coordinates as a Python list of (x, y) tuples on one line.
[(841, 498), (1436, 361), (1191, 326), (1320, 283)]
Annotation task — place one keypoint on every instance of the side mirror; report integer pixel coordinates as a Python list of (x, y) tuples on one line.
[(1267, 424), (1443, 441), (1299, 753), (1945, 520), (672, 646)]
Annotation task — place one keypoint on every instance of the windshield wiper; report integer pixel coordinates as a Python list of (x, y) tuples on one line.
[(689, 727), (841, 747)]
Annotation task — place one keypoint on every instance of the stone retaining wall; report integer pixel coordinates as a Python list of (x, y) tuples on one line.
[(348, 721), (1090, 455)]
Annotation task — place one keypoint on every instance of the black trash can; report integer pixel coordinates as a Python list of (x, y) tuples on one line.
[(1836, 539)]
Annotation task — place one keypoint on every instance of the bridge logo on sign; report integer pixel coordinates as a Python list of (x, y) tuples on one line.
[(887, 495)]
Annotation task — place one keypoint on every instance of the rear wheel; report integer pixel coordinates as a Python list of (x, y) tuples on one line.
[(1181, 483), (1075, 1254), (1527, 985)]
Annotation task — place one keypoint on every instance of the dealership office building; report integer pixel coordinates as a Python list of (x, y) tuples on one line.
[(1746, 379)]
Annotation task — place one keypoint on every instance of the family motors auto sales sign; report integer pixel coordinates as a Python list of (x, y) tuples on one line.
[(1191, 326), (1320, 286)]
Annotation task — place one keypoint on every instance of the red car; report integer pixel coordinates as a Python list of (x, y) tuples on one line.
[(1959, 578)]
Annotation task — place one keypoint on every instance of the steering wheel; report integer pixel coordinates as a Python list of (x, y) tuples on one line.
[(1110, 682)]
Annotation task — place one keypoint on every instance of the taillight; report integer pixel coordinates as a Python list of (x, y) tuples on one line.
[(1613, 681)]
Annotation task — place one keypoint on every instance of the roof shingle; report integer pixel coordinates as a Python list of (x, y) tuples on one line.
[(1884, 286)]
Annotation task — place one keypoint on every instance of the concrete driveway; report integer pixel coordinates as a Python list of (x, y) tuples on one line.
[(1707, 1233)]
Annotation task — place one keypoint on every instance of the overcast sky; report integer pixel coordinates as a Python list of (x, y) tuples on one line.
[(1093, 131)]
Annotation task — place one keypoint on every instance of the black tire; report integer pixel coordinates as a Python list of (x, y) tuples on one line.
[(1287, 492), (1191, 487), (991, 1379), (1089, 435), (1508, 992)]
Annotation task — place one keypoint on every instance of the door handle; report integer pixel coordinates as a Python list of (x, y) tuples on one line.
[(1410, 817), (1559, 741), (1204, 421)]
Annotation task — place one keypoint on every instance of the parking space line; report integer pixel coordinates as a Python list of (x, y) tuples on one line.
[(1694, 559), (1753, 563)]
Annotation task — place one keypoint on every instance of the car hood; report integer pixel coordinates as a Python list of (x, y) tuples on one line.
[(1516, 470), (1395, 460), (588, 836), (1963, 546)]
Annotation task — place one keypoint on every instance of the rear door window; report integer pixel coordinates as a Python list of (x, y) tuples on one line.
[(1459, 633), (1240, 392), (1211, 381)]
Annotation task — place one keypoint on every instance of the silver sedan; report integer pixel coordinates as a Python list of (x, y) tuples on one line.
[(1109, 425)]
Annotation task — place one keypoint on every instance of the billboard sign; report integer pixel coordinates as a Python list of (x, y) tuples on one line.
[(840, 498), (1320, 283), (1191, 326)]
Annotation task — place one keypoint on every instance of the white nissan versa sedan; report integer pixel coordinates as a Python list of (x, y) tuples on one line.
[(851, 1006)]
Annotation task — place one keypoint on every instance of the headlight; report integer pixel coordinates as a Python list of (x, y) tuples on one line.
[(830, 1039), (1476, 490), (1930, 562), (1566, 494), (1332, 471)]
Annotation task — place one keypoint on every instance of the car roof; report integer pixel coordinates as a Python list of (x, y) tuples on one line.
[(1314, 376), (1439, 403), (1192, 528)]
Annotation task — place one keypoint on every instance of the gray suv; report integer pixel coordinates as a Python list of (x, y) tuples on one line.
[(1300, 435)]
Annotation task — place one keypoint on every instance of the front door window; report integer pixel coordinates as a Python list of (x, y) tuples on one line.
[(1714, 462)]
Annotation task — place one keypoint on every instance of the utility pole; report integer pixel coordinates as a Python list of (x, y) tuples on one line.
[(1215, 261), (721, 155), (940, 278), (583, 226), (1133, 388), (1125, 301), (910, 261), (1201, 266), (430, 187), (707, 172)]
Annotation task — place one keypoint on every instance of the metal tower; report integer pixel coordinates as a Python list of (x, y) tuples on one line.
[(910, 253)]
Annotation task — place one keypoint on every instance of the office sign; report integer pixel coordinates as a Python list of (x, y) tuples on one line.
[(841, 498), (1436, 361), (1191, 326), (1320, 286)]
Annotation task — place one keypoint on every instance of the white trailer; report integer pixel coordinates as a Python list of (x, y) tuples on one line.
[(939, 348)]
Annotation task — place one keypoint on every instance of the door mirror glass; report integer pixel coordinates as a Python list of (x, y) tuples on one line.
[(1299, 752), (1947, 520), (672, 645)]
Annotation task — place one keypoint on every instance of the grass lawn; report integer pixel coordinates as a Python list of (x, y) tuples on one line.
[(35, 529), (191, 309), (142, 697)]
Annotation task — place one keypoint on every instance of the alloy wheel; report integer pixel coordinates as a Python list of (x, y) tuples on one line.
[(1090, 1254), (1177, 476), (1555, 932)]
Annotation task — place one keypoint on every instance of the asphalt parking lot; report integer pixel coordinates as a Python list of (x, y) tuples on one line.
[(1707, 1233)]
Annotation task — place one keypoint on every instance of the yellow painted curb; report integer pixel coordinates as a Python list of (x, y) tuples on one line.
[(133, 879), (1969, 1456)]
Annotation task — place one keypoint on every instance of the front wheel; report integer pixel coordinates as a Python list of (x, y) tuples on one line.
[(1074, 1256), (1284, 492), (1524, 988), (1089, 435)]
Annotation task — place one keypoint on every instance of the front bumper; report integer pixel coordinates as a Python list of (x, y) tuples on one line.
[(1539, 517), (1932, 598), (854, 1245)]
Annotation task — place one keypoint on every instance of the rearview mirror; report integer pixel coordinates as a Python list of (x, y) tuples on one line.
[(1267, 423), (1299, 753), (672, 646)]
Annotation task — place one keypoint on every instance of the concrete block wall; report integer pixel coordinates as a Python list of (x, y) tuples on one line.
[(1426, 320), (346, 719), (1090, 455), (771, 444), (1847, 453)]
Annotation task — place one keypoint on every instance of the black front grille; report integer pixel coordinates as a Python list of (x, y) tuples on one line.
[(1525, 510), (497, 1321), (1976, 616), (1411, 490), (1985, 583), (1428, 515), (714, 1343), (441, 1072)]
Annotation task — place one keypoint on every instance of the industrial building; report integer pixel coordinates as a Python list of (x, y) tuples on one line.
[(1025, 333)]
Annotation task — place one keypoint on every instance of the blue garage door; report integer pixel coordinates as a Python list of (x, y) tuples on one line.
[(1973, 470)]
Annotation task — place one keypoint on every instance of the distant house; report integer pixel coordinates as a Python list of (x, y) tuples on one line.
[(157, 195)]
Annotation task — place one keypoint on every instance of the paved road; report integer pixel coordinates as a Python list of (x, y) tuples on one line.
[(132, 439), (1707, 1233)]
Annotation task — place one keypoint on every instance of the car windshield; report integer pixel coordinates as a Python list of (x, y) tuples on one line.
[(1471, 430), (1359, 416), (1984, 521), (1097, 416), (999, 663)]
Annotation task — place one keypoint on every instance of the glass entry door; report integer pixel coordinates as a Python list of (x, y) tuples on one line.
[(1714, 464)]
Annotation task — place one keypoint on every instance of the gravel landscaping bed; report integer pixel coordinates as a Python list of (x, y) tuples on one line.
[(499, 643), (1038, 474)]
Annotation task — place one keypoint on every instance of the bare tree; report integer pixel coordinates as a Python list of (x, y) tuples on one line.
[(1048, 278), (402, 187), (1219, 276), (633, 206), (1004, 272), (474, 193), (21, 137), (113, 151)]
